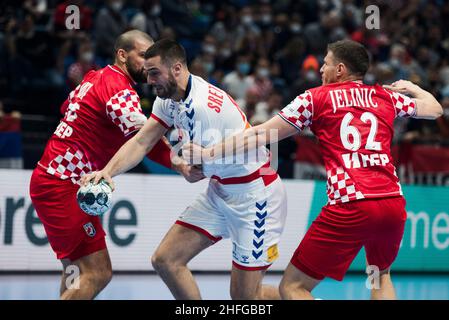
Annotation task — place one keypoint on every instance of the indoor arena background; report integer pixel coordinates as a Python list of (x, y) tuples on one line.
[(263, 53)]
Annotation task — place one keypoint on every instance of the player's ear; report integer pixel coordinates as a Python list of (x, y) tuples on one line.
[(341, 69), (177, 68), (121, 55)]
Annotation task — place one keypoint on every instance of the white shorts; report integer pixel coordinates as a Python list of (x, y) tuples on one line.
[(251, 214)]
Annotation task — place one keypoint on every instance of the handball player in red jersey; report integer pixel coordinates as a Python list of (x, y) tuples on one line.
[(354, 125), (100, 115)]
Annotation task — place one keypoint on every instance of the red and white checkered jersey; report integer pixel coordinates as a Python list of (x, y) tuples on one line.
[(100, 115), (354, 124)]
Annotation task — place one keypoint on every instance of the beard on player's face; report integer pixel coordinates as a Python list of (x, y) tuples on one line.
[(168, 89), (137, 74)]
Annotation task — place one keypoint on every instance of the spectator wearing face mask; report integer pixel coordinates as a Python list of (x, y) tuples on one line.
[(149, 19), (265, 17), (109, 24), (399, 60), (249, 103), (207, 60), (262, 82), (209, 45), (295, 26), (309, 77), (247, 21), (265, 110), (245, 28), (224, 58), (83, 64), (207, 56), (31, 57), (226, 25), (290, 58), (238, 81)]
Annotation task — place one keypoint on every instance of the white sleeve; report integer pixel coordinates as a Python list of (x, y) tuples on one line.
[(124, 110), (161, 113)]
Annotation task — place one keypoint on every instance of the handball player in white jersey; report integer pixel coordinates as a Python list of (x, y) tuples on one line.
[(244, 201)]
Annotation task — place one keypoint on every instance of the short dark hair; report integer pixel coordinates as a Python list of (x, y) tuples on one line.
[(127, 40), (170, 52), (352, 54)]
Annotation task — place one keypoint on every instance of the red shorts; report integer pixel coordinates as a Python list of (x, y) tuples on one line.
[(71, 232), (340, 231)]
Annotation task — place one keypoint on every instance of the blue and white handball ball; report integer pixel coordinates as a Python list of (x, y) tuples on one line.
[(95, 199)]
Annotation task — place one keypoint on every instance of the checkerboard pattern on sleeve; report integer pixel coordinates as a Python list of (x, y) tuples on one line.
[(299, 112), (405, 106), (125, 111)]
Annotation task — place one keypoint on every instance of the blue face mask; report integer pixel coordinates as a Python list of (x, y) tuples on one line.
[(208, 67), (244, 68)]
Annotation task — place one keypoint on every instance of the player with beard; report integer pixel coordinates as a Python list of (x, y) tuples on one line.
[(245, 199), (100, 115), (353, 122)]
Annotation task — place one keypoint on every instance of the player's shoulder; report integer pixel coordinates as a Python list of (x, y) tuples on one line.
[(381, 89), (113, 82), (161, 103), (202, 90), (198, 91), (325, 88), (207, 96), (310, 94), (114, 77), (199, 85)]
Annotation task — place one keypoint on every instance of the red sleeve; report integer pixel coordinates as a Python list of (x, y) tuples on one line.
[(160, 154), (299, 112), (160, 121), (64, 106)]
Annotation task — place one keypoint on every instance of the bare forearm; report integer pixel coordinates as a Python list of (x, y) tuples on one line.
[(247, 143), (128, 156), (133, 151), (428, 106), (242, 143)]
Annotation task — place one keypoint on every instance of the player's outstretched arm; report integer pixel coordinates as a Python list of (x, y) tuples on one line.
[(271, 131), (130, 154), (427, 107)]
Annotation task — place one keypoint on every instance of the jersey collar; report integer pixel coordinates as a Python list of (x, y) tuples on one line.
[(188, 88), (118, 70)]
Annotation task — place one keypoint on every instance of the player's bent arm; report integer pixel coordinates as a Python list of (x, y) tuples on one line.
[(133, 151), (427, 107), (272, 131)]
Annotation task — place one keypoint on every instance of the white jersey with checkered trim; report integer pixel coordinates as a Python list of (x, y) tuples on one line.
[(206, 116), (354, 125), (99, 116)]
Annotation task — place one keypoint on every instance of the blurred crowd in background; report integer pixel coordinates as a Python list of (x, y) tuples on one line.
[(262, 52)]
